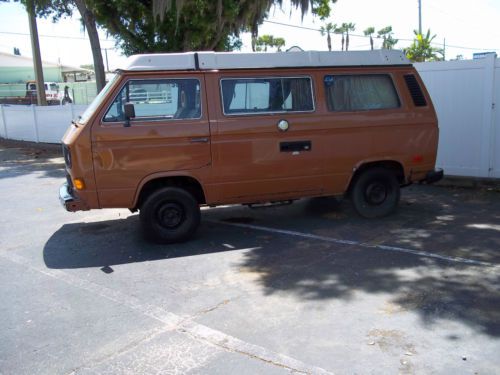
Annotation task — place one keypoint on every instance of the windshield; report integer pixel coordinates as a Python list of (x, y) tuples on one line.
[(97, 101)]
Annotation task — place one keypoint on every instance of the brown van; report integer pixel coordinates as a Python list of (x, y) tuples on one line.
[(172, 132)]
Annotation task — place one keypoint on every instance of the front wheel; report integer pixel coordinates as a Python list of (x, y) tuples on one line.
[(375, 193), (169, 215)]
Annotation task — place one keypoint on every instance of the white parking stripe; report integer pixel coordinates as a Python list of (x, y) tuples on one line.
[(171, 321), (419, 253)]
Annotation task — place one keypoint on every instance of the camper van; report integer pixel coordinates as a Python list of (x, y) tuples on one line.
[(173, 132)]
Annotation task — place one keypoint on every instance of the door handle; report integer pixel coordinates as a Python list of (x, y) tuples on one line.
[(296, 146), (199, 140)]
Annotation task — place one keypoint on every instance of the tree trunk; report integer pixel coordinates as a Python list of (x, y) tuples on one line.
[(329, 41), (90, 25), (347, 42), (37, 59), (371, 42)]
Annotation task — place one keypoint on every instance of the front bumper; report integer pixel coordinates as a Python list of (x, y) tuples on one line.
[(69, 200), (433, 176)]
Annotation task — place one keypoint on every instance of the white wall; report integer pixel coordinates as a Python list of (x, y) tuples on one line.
[(37, 124), (464, 93)]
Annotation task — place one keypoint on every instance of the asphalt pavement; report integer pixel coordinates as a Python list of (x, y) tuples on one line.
[(306, 288)]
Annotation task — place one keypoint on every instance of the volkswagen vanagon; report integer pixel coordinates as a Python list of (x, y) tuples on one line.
[(173, 132)]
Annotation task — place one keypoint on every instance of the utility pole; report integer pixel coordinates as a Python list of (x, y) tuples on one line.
[(106, 54), (37, 59), (420, 17)]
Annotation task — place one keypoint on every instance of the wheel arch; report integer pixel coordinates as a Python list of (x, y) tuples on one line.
[(155, 182), (393, 165)]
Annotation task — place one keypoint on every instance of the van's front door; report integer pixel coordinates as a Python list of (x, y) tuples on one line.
[(170, 132)]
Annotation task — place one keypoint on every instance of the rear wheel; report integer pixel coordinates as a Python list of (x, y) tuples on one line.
[(169, 215), (375, 193)]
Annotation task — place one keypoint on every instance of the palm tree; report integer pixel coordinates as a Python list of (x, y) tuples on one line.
[(368, 32), (388, 41), (341, 30), (348, 27), (88, 19), (279, 43), (327, 29), (265, 41)]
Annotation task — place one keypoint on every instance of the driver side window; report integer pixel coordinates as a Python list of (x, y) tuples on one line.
[(162, 99)]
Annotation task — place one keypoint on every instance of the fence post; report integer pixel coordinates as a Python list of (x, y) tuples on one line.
[(4, 120), (35, 122), (487, 116)]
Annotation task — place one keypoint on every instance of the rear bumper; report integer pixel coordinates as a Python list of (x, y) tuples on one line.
[(69, 200), (433, 176)]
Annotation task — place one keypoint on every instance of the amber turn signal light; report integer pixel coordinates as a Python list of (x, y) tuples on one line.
[(78, 183)]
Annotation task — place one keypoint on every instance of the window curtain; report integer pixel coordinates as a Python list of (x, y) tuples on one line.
[(358, 93), (301, 94)]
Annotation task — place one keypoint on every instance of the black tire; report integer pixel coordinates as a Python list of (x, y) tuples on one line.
[(169, 215), (375, 193)]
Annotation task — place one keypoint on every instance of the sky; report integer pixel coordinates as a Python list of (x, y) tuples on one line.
[(465, 27)]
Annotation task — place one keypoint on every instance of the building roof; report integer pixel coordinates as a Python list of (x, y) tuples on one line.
[(236, 60), (16, 61)]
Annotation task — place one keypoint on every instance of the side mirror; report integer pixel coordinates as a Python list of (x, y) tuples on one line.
[(129, 113)]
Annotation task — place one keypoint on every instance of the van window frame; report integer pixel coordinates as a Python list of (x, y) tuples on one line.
[(311, 82), (391, 77), (151, 118)]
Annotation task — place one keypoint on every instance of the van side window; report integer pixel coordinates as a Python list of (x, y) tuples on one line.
[(266, 95), (360, 92), (158, 99)]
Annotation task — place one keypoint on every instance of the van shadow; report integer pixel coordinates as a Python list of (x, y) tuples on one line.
[(315, 270), (115, 242), (444, 222)]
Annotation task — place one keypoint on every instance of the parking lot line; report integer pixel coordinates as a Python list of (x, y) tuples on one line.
[(171, 321), (311, 236)]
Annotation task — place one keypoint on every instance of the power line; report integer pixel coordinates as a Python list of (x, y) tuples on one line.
[(54, 36), (364, 36)]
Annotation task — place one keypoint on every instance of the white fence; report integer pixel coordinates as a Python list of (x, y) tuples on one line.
[(37, 124), (464, 94)]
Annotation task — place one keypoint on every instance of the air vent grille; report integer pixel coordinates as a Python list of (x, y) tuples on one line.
[(415, 90)]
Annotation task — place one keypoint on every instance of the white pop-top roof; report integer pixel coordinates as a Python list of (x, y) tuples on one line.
[(236, 60)]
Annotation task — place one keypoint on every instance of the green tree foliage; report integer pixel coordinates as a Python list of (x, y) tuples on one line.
[(265, 41), (369, 32), (388, 41), (422, 50), (327, 29), (322, 8), (186, 25)]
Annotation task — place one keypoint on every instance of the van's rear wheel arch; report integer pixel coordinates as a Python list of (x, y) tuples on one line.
[(393, 166), (375, 189)]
